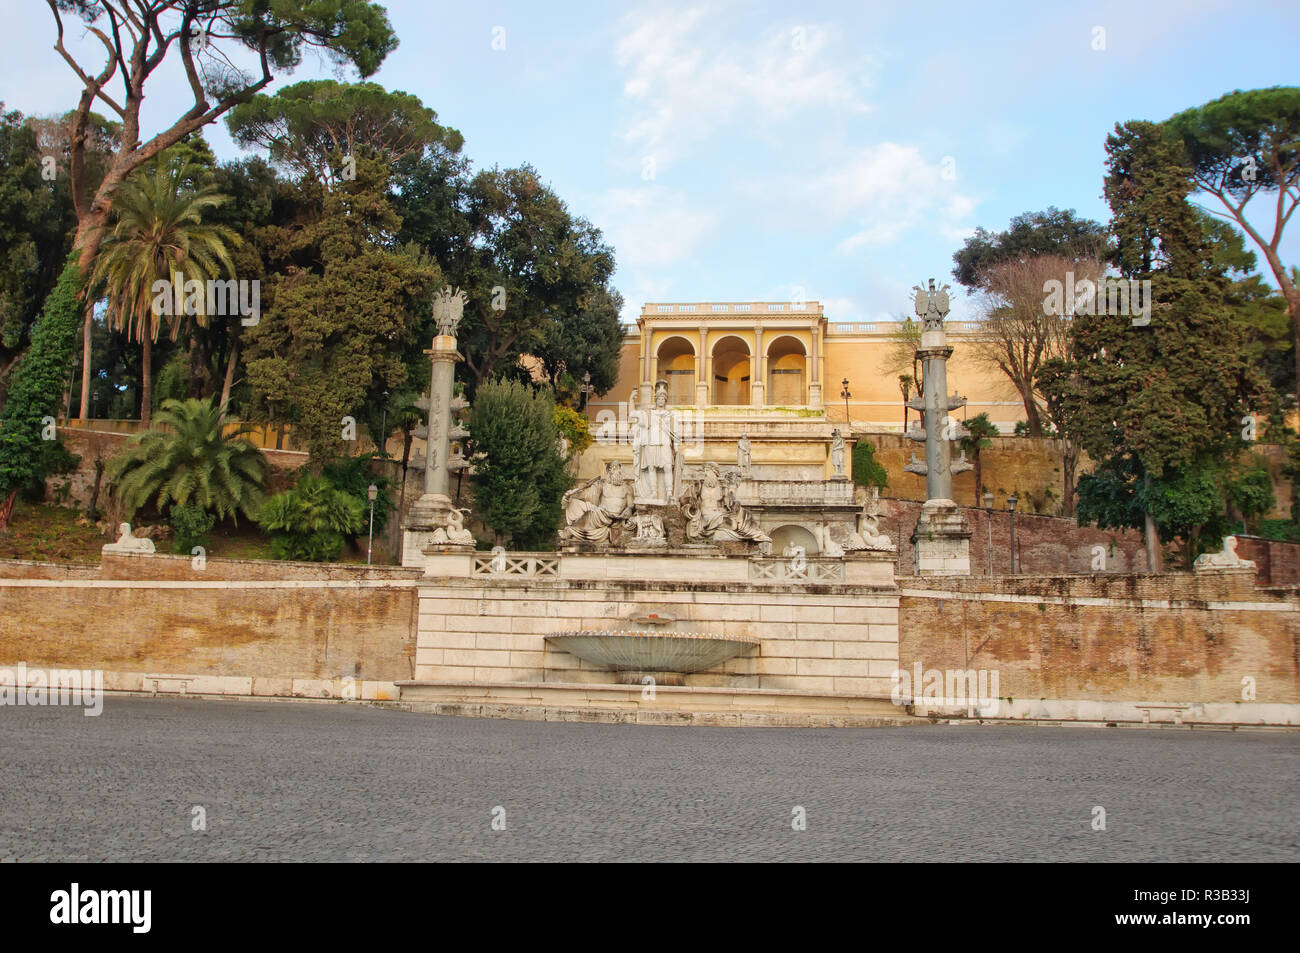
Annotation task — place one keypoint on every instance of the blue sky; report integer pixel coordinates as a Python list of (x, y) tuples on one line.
[(751, 151)]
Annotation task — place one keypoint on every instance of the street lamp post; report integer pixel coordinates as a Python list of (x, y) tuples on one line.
[(372, 491), (846, 395), (586, 389), (988, 509), (1011, 506)]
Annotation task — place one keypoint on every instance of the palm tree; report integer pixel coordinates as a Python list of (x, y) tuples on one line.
[(980, 429), (186, 459), (159, 233)]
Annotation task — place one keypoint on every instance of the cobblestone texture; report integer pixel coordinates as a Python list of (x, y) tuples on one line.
[(285, 781)]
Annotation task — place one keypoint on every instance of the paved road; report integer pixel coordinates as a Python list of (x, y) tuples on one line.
[(283, 781)]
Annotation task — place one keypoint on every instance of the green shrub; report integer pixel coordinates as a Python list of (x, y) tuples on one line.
[(309, 522), (867, 470), (191, 525), (352, 475)]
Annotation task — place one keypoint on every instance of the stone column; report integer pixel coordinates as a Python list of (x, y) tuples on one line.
[(941, 539), (702, 370), (815, 373), (758, 370), (444, 356), (429, 513), (647, 373)]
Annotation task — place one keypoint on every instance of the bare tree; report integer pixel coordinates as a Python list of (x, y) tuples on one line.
[(1016, 333)]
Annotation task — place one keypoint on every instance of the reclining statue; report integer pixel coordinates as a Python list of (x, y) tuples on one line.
[(591, 510), (713, 513)]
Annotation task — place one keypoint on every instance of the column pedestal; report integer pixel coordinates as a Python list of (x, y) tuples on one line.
[(941, 541)]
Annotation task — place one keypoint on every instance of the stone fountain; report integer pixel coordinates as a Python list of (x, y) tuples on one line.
[(652, 649)]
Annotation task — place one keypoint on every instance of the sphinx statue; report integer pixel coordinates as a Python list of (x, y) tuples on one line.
[(1226, 558), (126, 543)]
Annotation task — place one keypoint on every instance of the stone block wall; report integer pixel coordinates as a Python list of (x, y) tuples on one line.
[(1045, 545), (1177, 637), (816, 638)]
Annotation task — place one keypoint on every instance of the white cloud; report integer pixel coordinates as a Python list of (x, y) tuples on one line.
[(651, 227), (690, 78), (882, 193)]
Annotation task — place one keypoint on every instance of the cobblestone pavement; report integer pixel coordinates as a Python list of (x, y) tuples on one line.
[(283, 781)]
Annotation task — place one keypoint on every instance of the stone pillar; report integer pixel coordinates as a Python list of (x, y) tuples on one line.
[(647, 375), (702, 370), (758, 370), (815, 373), (941, 539), (429, 513), (444, 356)]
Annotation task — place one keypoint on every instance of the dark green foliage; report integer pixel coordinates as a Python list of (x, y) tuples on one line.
[(867, 470), (191, 525), (1284, 530), (35, 218), (311, 126), (37, 388), (1159, 407), (521, 480), (309, 522), (1250, 491), (345, 312), (1053, 232), (353, 475)]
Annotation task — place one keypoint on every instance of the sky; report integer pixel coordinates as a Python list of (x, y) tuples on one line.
[(838, 152)]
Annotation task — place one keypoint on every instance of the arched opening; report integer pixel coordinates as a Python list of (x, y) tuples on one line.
[(793, 535), (786, 362), (731, 372), (677, 367)]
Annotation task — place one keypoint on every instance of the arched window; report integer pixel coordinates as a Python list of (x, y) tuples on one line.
[(677, 367), (786, 372), (731, 372)]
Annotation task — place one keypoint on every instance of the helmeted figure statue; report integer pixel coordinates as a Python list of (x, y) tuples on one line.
[(592, 509), (656, 450)]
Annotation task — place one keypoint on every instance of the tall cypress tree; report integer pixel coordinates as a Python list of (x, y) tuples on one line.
[(1158, 406)]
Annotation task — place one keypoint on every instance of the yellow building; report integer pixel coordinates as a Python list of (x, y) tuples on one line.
[(774, 371), (782, 354)]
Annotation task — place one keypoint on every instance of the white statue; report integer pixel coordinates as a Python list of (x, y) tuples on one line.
[(1226, 558), (592, 509), (447, 310), (829, 546), (837, 452), (743, 454), (649, 529), (656, 450), (866, 534), (126, 543), (454, 533), (713, 513)]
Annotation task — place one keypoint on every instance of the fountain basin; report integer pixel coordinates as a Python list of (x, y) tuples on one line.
[(652, 651)]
